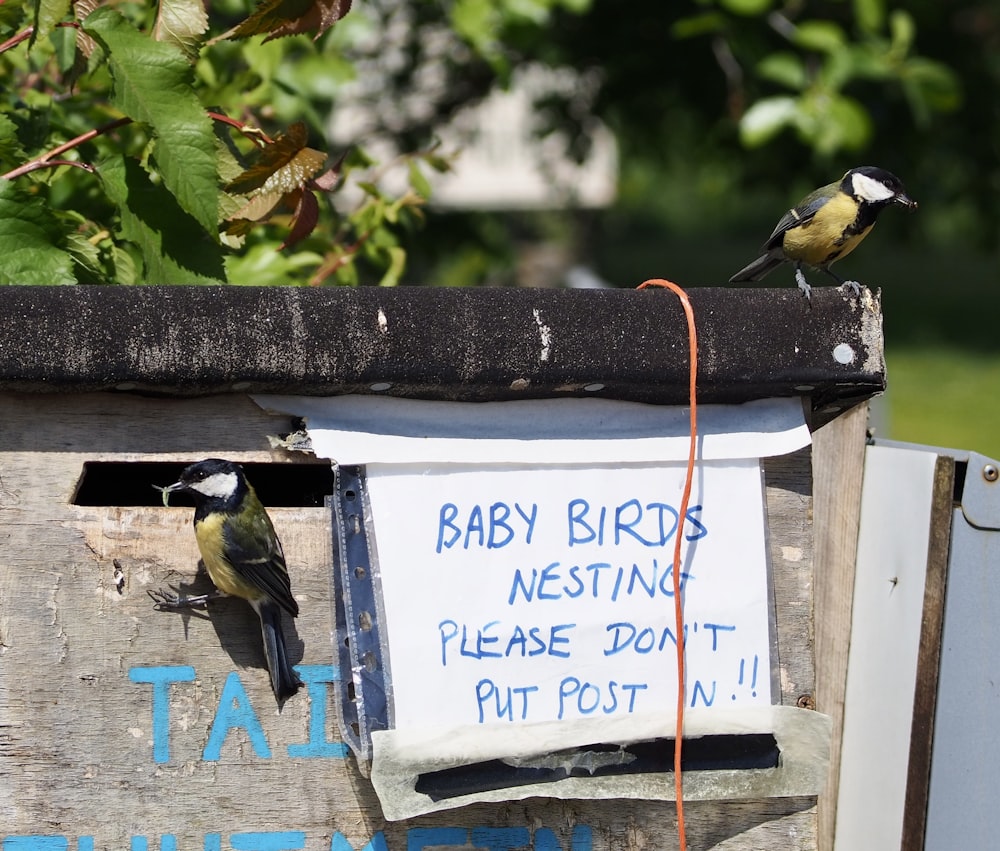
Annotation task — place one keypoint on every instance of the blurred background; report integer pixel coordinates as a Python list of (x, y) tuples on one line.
[(596, 143)]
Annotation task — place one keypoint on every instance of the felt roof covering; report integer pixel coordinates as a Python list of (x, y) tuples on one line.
[(469, 344)]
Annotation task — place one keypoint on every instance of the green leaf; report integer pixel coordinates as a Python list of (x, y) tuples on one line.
[(261, 266), (64, 41), (48, 13), (175, 249), (87, 257), (867, 61), (397, 263), (419, 182), (181, 23), (870, 14), (786, 69), (10, 145), (929, 87), (153, 84), (766, 118), (696, 25), (31, 241), (12, 18), (477, 21), (902, 31), (126, 271), (748, 8), (821, 36), (832, 122)]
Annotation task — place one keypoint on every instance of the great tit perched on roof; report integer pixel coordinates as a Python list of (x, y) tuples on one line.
[(828, 224), (242, 555)]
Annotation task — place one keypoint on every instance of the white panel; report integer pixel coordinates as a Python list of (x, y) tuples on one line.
[(885, 636)]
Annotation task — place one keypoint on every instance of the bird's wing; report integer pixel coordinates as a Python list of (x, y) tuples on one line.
[(256, 555), (804, 212)]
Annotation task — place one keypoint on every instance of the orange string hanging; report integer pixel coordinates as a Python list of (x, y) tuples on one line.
[(685, 499)]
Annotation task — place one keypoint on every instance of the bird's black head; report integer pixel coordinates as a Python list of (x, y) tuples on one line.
[(870, 184), (212, 480)]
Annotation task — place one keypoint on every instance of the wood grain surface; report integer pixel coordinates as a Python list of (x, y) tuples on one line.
[(83, 731)]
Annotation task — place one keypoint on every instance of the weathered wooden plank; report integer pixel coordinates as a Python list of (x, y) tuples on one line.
[(838, 467), (789, 511), (918, 777), (81, 741)]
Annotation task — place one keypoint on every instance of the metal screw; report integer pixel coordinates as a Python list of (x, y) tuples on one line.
[(991, 473)]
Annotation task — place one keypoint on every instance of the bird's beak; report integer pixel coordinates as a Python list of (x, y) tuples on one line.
[(905, 200)]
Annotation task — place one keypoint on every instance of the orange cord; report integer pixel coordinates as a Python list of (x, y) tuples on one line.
[(685, 499)]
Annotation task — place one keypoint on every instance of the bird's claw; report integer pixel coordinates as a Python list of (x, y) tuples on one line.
[(851, 286), (164, 601), (803, 284)]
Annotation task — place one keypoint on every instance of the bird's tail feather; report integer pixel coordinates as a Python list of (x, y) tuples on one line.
[(284, 681), (758, 269)]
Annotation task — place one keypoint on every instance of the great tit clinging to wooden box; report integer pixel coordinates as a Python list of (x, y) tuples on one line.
[(242, 555), (828, 224)]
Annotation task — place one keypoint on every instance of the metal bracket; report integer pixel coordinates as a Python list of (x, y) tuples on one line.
[(981, 494), (365, 685)]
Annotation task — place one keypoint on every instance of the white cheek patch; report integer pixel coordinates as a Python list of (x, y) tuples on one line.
[(870, 190), (217, 485)]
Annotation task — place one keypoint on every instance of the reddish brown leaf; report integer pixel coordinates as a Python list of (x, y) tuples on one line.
[(270, 159), (260, 207), (328, 180), (278, 18), (304, 222)]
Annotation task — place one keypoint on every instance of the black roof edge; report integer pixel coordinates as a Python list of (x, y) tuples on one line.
[(471, 344)]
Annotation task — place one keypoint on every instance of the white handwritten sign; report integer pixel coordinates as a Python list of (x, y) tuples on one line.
[(518, 594)]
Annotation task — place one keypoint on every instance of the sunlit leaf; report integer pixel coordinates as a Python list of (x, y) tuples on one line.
[(821, 36), (765, 119), (154, 84), (397, 264), (87, 257), (870, 14), (477, 22), (902, 31), (833, 122), (281, 166), (419, 182), (261, 265), (48, 13), (182, 23), (747, 7), (784, 68), (258, 208)]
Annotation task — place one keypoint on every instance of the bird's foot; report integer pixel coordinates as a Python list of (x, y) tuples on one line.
[(800, 279), (164, 601), (852, 287)]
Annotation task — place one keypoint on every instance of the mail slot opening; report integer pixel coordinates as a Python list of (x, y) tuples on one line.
[(133, 483)]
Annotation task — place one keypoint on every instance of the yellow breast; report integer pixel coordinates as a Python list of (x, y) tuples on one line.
[(211, 544), (820, 241)]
